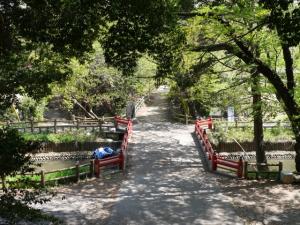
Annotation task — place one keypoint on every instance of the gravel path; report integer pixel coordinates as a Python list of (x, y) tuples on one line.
[(167, 183)]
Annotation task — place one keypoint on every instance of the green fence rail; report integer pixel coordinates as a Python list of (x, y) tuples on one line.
[(262, 174), (44, 178)]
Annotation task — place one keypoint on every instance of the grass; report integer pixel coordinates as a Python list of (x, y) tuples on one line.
[(66, 172), (271, 175), (34, 177), (66, 137), (34, 180), (274, 134)]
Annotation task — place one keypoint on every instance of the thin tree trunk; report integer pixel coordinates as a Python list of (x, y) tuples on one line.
[(258, 120)]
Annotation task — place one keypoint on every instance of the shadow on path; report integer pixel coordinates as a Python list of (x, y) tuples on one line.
[(168, 182)]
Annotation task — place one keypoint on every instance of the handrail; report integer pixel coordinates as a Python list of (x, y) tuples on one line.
[(213, 156), (118, 159)]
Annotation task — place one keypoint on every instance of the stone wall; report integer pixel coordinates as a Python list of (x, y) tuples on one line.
[(47, 147)]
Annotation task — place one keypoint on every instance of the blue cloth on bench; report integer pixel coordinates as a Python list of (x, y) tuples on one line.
[(108, 150), (100, 153)]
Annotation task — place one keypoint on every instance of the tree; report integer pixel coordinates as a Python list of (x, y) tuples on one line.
[(13, 154), (276, 28), (135, 28), (258, 119), (15, 159), (38, 38), (101, 89), (233, 27)]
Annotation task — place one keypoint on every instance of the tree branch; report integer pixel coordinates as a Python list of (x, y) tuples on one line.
[(211, 48)]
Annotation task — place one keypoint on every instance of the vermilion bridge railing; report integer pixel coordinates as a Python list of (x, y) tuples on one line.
[(215, 159), (119, 159)]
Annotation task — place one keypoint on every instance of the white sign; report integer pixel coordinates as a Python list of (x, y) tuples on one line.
[(230, 114)]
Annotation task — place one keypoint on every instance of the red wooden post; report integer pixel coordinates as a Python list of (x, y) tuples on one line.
[(97, 168), (240, 169), (92, 168), (209, 123), (214, 162), (204, 136), (129, 125), (122, 158)]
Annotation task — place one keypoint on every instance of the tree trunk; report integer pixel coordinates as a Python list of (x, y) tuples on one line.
[(295, 122), (258, 120), (297, 158)]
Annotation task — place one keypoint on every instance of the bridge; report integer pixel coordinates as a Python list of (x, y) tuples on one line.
[(168, 181)]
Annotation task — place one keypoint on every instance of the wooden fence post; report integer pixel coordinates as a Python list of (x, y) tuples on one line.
[(92, 168), (246, 169), (31, 125), (100, 126), (42, 178), (55, 126), (77, 124), (73, 119), (240, 169), (280, 167), (97, 168), (279, 170), (256, 172), (77, 171)]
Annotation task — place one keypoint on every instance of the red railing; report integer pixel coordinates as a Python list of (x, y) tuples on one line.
[(119, 121), (120, 159), (216, 160)]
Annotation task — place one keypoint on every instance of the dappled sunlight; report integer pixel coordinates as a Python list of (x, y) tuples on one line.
[(271, 203), (168, 181), (87, 202)]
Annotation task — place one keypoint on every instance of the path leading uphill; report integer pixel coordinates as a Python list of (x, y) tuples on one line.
[(167, 183)]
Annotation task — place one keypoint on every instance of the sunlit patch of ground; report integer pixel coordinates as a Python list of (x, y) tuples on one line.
[(167, 182)]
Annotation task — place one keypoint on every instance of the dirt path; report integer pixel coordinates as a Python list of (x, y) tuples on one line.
[(167, 183)]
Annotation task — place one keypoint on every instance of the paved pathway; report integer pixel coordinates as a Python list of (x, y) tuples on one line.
[(166, 183)]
